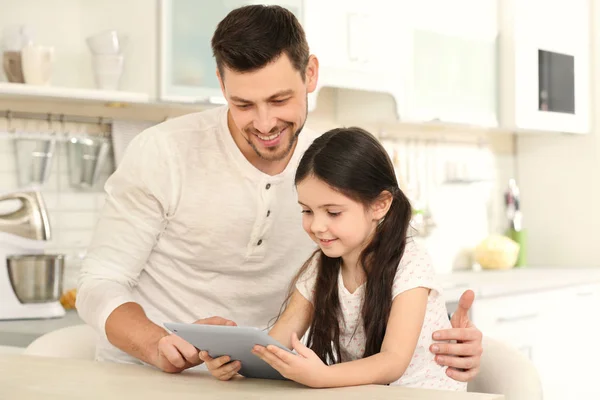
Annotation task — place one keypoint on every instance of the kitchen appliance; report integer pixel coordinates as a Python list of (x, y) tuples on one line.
[(30, 280)]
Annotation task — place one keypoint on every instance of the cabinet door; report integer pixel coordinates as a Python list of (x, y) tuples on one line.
[(188, 68), (352, 40), (514, 320), (566, 350), (452, 56)]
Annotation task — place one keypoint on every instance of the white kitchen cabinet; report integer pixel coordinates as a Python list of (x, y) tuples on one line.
[(187, 63), (449, 53), (567, 353), (545, 65), (556, 329), (354, 43), (514, 319)]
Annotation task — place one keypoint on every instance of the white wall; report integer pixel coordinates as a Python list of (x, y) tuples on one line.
[(559, 177)]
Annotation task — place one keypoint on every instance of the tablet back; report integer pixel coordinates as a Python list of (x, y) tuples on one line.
[(234, 341)]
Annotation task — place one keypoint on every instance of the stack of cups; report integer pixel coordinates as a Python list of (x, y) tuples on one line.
[(107, 58)]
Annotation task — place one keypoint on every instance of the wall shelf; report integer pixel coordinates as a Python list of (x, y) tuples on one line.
[(53, 92)]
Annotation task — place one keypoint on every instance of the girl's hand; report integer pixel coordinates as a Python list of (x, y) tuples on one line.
[(221, 368), (305, 367)]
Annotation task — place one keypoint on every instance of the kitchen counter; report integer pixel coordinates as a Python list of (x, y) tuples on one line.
[(32, 378), (19, 333), (485, 284), (492, 283)]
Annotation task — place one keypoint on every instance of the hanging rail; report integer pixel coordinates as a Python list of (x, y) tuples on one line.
[(60, 133)]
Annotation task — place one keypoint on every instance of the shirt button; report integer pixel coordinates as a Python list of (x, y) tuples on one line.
[(268, 186), (259, 242), (268, 213)]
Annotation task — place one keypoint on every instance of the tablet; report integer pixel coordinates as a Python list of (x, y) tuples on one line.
[(235, 341)]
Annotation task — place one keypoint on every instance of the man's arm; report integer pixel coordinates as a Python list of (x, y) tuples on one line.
[(137, 209), (149, 342), (141, 337), (464, 357)]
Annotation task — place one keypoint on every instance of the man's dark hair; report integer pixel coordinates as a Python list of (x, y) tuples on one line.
[(250, 37)]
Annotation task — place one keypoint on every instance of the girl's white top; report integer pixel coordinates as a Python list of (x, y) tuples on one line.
[(415, 270)]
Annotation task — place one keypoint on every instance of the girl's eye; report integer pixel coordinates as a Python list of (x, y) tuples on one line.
[(306, 211), (334, 214)]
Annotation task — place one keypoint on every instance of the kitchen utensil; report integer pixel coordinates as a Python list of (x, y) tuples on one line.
[(37, 64), (513, 205), (34, 160), (108, 69), (36, 278), (13, 67), (107, 42), (86, 157)]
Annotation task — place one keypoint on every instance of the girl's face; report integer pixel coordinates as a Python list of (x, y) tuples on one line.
[(341, 226)]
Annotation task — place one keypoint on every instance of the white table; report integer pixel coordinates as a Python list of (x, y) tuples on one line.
[(33, 378)]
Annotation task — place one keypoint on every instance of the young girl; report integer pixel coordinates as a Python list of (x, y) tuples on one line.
[(367, 296)]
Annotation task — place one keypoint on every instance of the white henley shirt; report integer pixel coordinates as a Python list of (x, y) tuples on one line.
[(191, 229)]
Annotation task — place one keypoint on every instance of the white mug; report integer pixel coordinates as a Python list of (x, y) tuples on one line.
[(37, 64)]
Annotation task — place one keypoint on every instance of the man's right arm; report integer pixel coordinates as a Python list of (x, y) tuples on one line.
[(149, 342), (141, 337), (137, 209)]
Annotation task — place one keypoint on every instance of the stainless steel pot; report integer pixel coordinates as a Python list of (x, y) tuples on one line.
[(36, 278)]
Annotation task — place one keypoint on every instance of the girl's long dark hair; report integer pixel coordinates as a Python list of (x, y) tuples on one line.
[(353, 162)]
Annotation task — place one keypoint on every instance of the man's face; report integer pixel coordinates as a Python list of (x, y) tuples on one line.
[(269, 105)]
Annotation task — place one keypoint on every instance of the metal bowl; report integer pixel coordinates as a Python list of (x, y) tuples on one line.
[(36, 278)]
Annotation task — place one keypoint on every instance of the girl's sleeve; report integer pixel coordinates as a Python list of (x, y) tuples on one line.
[(415, 270), (308, 279)]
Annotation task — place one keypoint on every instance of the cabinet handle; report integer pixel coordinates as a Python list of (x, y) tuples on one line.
[(517, 318)]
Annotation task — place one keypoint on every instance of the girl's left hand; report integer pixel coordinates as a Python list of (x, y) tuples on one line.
[(305, 367)]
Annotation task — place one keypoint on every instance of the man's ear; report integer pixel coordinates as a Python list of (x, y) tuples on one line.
[(312, 73), (220, 78)]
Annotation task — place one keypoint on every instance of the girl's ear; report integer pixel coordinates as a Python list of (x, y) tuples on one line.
[(381, 205)]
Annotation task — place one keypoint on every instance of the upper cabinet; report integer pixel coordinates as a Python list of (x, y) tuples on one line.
[(354, 45), (520, 64), (436, 59), (188, 68), (449, 53), (545, 65)]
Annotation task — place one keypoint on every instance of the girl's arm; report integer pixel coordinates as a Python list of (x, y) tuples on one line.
[(401, 337), (295, 319)]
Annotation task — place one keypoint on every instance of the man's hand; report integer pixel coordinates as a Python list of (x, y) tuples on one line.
[(175, 354), (463, 358)]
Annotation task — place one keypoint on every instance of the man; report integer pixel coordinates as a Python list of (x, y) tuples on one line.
[(201, 218)]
